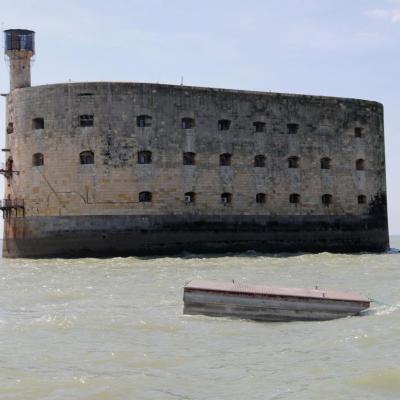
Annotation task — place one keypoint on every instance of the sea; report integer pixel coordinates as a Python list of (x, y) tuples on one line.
[(106, 329)]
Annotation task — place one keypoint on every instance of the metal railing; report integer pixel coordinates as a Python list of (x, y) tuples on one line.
[(11, 203)]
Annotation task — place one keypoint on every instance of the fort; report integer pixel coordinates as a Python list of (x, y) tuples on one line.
[(102, 169)]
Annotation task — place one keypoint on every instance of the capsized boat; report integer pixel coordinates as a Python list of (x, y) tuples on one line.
[(268, 303)]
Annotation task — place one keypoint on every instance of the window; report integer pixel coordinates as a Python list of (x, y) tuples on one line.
[(326, 200), (86, 157), (226, 198), (358, 131), (362, 199), (292, 128), (259, 161), (294, 198), (259, 126), (293, 162), (224, 124), (225, 159), (145, 197), (187, 123), (144, 157), (261, 198), (325, 163), (360, 164), (37, 159), (143, 121), (189, 158), (38, 123), (10, 128), (86, 120), (190, 197)]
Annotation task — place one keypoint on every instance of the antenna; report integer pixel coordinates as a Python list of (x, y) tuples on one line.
[(181, 80)]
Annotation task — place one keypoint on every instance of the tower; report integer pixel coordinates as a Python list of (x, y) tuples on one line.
[(19, 47)]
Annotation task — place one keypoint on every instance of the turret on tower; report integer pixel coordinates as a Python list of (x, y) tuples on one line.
[(19, 47)]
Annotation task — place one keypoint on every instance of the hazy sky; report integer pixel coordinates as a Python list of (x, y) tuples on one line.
[(323, 47)]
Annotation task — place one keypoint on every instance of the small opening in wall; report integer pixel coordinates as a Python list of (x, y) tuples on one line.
[(293, 162), (190, 197), (145, 197), (292, 128), (261, 198), (84, 94), (143, 121), (362, 199), (86, 120), (358, 131), (325, 163), (225, 159), (259, 160), (37, 159), (259, 126), (189, 158), (294, 198), (86, 157), (360, 164), (144, 157), (188, 123), (10, 128), (224, 124), (226, 198), (326, 200), (38, 123)]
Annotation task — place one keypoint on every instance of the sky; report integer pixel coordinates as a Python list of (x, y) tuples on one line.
[(322, 47)]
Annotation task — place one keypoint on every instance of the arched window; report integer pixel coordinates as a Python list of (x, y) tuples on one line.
[(326, 200), (325, 163), (224, 124), (144, 157), (293, 162), (259, 160), (37, 159), (187, 123), (86, 120), (143, 121), (226, 198), (261, 198), (145, 197), (360, 164), (189, 158), (225, 159), (86, 157), (292, 128), (38, 123), (362, 199), (190, 197), (10, 128), (358, 131), (294, 198), (259, 126)]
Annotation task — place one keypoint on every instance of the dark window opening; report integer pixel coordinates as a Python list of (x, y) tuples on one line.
[(261, 198), (225, 159), (360, 164), (293, 162), (144, 157), (187, 123), (37, 159), (84, 94), (294, 198), (259, 161), (38, 123), (9, 165), (224, 124), (292, 128), (145, 197), (259, 126), (86, 120), (362, 199), (358, 132), (86, 157), (226, 198), (143, 121), (189, 158), (326, 200), (10, 128), (190, 197), (325, 163)]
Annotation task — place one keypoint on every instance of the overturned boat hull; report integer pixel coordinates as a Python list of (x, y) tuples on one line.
[(263, 303)]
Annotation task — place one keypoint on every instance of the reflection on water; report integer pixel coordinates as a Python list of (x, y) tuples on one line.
[(114, 329)]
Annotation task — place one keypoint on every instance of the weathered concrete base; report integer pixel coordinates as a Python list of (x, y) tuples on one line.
[(108, 235)]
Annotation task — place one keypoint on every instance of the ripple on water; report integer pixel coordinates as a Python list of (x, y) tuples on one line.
[(387, 380)]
